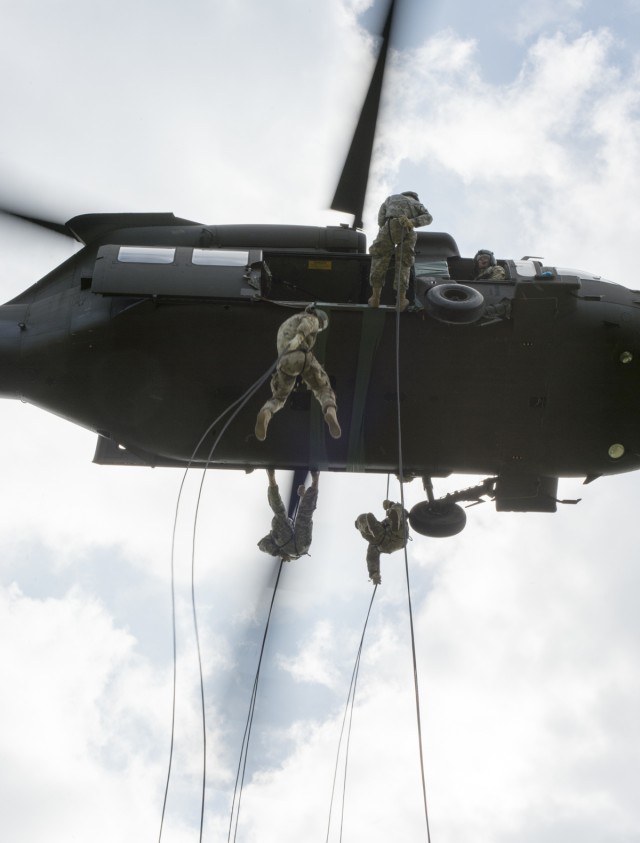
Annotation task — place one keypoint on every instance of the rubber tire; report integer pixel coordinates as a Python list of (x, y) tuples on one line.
[(455, 304), (438, 520)]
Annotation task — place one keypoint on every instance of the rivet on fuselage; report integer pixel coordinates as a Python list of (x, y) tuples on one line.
[(626, 357)]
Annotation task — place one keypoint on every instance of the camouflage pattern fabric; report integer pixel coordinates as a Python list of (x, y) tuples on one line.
[(392, 235), (386, 536), (492, 273), (296, 337), (290, 539)]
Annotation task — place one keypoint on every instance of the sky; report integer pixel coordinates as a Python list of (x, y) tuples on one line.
[(519, 126)]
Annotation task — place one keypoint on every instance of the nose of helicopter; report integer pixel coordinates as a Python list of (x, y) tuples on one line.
[(12, 325)]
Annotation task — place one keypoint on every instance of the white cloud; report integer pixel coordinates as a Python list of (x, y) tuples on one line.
[(314, 661), (527, 630), (59, 748)]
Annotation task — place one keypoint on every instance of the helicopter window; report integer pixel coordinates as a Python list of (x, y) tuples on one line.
[(432, 268), (579, 273), (526, 269), (217, 257), (142, 254)]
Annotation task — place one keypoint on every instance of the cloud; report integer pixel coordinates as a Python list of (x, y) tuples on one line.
[(64, 669), (314, 661), (527, 629), (551, 150)]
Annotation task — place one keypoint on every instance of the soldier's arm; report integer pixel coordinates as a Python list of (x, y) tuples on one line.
[(307, 327), (382, 214), (423, 217)]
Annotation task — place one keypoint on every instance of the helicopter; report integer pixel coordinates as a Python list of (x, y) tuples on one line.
[(523, 380)]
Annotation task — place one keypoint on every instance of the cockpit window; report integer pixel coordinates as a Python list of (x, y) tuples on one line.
[(579, 273), (145, 254), (526, 269), (218, 257)]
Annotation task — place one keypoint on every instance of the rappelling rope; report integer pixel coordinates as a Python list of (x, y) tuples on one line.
[(244, 749), (348, 710), (406, 558), (238, 404)]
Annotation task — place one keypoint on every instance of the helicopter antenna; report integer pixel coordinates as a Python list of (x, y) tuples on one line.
[(352, 185)]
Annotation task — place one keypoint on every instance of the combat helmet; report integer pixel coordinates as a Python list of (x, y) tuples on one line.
[(490, 255), (321, 316)]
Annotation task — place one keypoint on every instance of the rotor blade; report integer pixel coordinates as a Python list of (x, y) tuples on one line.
[(352, 185), (59, 228)]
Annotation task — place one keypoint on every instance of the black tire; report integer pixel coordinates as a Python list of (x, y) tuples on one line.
[(455, 304), (438, 520)]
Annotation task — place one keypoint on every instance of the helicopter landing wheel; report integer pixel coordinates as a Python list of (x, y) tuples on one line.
[(437, 519), (455, 304)]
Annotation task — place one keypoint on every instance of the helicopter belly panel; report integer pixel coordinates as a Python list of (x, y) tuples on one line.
[(527, 372)]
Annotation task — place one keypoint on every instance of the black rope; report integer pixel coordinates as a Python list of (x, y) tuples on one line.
[(406, 558), (239, 403), (244, 749), (348, 709)]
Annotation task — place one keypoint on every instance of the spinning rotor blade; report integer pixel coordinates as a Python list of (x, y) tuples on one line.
[(352, 185), (59, 228)]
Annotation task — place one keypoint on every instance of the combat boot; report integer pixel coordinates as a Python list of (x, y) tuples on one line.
[(262, 422), (374, 301), (403, 301), (332, 422)]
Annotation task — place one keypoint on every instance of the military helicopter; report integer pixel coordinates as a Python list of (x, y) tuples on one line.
[(523, 380)]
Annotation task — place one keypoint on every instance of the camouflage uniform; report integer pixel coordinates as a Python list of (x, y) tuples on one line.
[(492, 273), (386, 536), (296, 337), (392, 233), (290, 539), (491, 270)]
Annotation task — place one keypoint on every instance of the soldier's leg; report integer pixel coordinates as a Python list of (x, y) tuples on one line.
[(405, 254), (318, 382), (290, 365), (281, 386), (373, 564), (380, 250), (379, 265), (304, 519), (307, 505), (369, 527), (361, 526)]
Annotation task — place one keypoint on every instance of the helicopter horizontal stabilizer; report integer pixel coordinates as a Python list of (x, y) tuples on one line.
[(524, 493)]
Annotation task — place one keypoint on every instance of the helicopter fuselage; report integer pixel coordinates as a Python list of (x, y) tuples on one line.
[(151, 332)]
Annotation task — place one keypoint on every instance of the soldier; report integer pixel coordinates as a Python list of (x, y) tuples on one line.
[(290, 539), (486, 268), (386, 536), (398, 216), (296, 337)]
